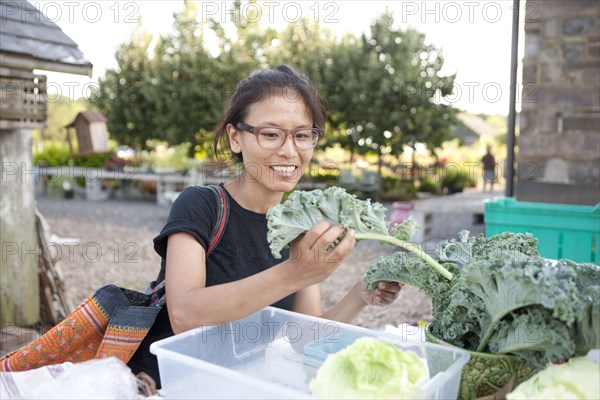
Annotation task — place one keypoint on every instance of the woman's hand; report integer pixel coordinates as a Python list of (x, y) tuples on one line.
[(314, 256), (385, 293)]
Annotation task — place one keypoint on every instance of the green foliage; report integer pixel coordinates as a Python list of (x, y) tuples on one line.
[(505, 298), (303, 209), (95, 160), (379, 87), (399, 191), (456, 179), (429, 186), (164, 156), (54, 186), (54, 154), (121, 93)]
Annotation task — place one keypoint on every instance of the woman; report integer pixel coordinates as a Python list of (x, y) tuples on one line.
[(271, 124)]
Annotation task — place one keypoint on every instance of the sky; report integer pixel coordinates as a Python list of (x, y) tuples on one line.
[(475, 36)]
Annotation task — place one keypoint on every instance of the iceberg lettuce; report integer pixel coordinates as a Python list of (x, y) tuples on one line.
[(577, 379), (370, 369)]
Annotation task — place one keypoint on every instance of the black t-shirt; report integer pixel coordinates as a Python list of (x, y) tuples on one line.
[(242, 251), (489, 162)]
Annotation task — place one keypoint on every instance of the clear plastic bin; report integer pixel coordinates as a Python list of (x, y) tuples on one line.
[(275, 353)]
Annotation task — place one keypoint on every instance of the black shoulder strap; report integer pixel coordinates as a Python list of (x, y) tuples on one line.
[(222, 217)]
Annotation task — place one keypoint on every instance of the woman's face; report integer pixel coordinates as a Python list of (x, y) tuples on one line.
[(276, 169)]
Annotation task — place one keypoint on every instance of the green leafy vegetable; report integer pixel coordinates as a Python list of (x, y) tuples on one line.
[(370, 369), (577, 379), (505, 298), (303, 209), (535, 335), (511, 282), (586, 329)]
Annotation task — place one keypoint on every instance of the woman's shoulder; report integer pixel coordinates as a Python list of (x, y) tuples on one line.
[(195, 199)]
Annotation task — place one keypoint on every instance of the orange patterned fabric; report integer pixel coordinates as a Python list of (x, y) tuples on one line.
[(121, 343), (112, 322)]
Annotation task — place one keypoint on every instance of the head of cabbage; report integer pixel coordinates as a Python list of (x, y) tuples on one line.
[(370, 369), (577, 379)]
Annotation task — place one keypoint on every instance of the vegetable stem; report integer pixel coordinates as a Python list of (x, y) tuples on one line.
[(412, 247), (490, 330), (486, 337)]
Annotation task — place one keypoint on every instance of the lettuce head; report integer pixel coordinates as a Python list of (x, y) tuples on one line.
[(370, 369), (577, 379)]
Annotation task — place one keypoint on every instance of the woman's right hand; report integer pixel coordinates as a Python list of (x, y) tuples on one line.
[(312, 257)]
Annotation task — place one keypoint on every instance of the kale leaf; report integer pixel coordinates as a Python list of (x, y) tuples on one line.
[(303, 209), (504, 297)]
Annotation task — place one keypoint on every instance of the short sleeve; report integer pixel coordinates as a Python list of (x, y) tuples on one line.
[(194, 212)]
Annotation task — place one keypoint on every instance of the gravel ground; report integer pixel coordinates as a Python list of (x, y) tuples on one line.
[(111, 242)]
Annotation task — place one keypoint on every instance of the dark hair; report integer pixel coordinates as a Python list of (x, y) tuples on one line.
[(259, 85)]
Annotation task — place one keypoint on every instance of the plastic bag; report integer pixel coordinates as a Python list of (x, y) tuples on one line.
[(104, 378)]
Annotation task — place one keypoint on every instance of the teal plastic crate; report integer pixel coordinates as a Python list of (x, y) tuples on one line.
[(563, 230)]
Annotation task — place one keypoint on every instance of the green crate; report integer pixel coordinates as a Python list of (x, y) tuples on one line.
[(563, 230)]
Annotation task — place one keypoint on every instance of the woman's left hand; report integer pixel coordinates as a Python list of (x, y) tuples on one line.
[(385, 293)]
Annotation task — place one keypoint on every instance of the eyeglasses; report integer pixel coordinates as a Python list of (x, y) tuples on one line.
[(272, 138)]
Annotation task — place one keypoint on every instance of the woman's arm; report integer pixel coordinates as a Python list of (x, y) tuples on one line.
[(191, 304), (308, 300)]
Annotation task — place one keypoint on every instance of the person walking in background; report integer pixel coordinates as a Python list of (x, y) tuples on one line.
[(489, 168)]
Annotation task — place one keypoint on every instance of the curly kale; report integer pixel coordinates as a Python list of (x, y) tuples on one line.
[(459, 318), (302, 210), (535, 336), (477, 247), (504, 297), (511, 282), (401, 267), (586, 329)]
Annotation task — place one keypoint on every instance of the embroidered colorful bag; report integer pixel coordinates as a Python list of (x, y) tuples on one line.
[(111, 322)]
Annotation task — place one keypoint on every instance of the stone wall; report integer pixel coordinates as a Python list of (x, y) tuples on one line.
[(19, 288), (559, 142)]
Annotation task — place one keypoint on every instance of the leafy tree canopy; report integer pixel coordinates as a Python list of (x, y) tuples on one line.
[(382, 89)]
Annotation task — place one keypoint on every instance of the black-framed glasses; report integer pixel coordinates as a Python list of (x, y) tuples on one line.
[(271, 137)]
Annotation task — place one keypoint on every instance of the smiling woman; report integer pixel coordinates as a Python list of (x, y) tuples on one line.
[(271, 125), (267, 108)]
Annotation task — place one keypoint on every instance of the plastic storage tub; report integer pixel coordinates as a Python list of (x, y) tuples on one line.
[(563, 230), (275, 353)]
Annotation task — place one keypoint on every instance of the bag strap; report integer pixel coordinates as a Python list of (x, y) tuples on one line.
[(222, 217), (215, 237)]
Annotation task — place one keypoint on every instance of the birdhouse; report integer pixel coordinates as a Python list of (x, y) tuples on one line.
[(92, 134)]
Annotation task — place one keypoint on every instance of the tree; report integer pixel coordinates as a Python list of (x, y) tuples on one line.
[(180, 83), (390, 82), (383, 89), (121, 95)]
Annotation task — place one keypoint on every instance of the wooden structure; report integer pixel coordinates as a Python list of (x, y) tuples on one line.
[(91, 131), (28, 41), (22, 99), (31, 41)]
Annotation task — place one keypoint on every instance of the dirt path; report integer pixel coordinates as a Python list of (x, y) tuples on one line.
[(115, 246)]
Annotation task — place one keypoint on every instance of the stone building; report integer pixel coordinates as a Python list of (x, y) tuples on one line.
[(559, 142)]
